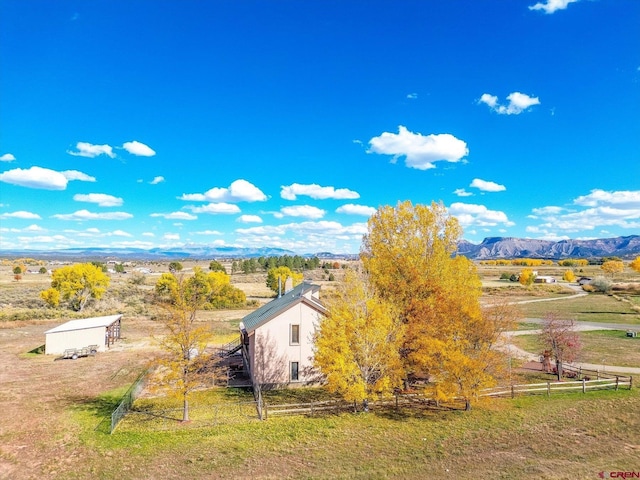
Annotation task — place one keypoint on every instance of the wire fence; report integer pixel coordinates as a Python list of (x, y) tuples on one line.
[(127, 400)]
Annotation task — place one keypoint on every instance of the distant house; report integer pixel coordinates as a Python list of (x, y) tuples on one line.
[(544, 279), (277, 338), (584, 280)]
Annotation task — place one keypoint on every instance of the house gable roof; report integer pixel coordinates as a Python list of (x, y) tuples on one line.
[(275, 307)]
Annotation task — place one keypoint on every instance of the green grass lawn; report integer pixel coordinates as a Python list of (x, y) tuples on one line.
[(589, 308), (602, 347), (565, 436)]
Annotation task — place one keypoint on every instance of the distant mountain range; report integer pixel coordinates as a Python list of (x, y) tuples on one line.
[(508, 247), (490, 248)]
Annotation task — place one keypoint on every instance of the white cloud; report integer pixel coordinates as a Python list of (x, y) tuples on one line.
[(102, 199), (325, 228), (34, 228), (518, 103), (249, 219), (550, 210), (76, 175), (622, 199), (486, 186), (215, 208), (193, 197), (352, 209), (119, 233), (171, 236), (35, 177), (139, 149), (238, 191), (42, 178), (412, 96), (420, 151), (89, 150), (7, 157), (22, 215), (290, 192), (208, 232), (175, 216), (81, 215), (461, 192), (552, 5), (148, 234), (306, 211), (603, 209), (157, 180), (478, 215), (488, 99)]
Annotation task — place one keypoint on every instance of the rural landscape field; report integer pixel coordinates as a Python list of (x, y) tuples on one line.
[(56, 413), (319, 239)]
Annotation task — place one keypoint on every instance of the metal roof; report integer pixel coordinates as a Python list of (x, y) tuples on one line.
[(85, 323), (278, 305)]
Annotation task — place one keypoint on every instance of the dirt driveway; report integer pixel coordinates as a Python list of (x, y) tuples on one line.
[(38, 439)]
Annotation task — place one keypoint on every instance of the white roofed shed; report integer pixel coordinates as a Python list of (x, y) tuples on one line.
[(100, 331)]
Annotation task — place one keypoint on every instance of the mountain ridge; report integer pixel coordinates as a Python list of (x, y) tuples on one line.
[(490, 248)]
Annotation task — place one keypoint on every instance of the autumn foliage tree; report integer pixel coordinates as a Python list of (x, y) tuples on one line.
[(409, 253), (76, 285), (635, 264), (526, 277), (611, 267), (560, 337), (277, 277), (185, 366), (569, 276), (221, 293), (358, 343)]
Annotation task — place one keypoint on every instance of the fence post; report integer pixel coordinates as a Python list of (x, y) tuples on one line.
[(396, 400), (513, 393), (617, 381), (630, 382), (584, 386), (548, 389)]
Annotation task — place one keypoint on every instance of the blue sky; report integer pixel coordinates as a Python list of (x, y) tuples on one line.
[(287, 123)]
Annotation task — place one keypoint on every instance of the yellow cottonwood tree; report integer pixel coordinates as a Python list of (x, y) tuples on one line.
[(612, 267), (358, 342), (76, 285), (277, 276), (185, 366), (410, 255), (526, 277), (635, 264)]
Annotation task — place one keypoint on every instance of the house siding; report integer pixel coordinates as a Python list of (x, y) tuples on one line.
[(271, 351)]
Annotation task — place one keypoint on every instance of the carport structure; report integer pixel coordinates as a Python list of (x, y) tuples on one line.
[(100, 331)]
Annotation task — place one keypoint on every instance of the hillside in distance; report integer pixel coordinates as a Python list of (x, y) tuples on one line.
[(493, 248), (489, 249)]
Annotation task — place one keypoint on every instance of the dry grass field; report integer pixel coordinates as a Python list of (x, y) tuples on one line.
[(51, 422)]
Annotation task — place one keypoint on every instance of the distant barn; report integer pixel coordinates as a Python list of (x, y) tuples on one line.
[(100, 331)]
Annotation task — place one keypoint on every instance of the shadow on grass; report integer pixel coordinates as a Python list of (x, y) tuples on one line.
[(95, 410)]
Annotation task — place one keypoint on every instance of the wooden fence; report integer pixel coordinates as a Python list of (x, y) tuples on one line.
[(548, 388), (414, 400)]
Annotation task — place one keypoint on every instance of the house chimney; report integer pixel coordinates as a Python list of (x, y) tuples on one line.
[(288, 284)]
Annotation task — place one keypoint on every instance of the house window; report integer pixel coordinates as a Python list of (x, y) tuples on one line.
[(295, 334), (294, 371)]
